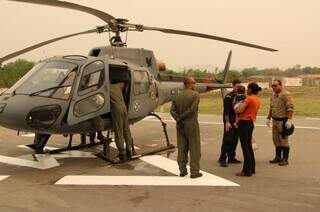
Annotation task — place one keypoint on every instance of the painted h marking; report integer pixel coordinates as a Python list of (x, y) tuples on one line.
[(2, 177), (164, 163)]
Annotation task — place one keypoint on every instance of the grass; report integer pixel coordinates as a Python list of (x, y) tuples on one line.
[(306, 101)]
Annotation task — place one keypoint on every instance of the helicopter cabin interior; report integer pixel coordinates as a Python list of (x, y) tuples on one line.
[(118, 74)]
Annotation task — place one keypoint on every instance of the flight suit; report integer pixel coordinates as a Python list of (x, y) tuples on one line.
[(280, 104), (184, 110), (120, 120)]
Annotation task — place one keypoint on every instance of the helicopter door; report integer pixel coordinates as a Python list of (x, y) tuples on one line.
[(144, 98), (91, 96)]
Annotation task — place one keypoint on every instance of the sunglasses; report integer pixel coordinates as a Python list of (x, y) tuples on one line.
[(274, 85)]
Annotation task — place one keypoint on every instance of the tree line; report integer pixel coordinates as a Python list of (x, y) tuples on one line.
[(246, 73), (13, 71)]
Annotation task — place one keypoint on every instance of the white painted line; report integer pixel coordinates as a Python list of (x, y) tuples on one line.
[(42, 164), (43, 161), (151, 145), (203, 114), (220, 123), (316, 119), (28, 135), (113, 144), (2, 177), (45, 148), (140, 181), (172, 166), (164, 163)]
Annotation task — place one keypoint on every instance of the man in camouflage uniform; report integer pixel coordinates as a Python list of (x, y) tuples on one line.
[(184, 110), (281, 111)]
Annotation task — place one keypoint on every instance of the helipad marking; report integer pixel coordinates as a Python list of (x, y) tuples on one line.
[(43, 161), (2, 177), (164, 163)]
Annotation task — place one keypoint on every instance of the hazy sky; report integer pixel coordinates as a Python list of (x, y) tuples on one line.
[(292, 26)]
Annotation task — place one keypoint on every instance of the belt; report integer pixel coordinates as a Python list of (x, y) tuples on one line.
[(280, 119)]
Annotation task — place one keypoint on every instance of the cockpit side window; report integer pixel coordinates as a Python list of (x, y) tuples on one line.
[(141, 82), (92, 78), (66, 86)]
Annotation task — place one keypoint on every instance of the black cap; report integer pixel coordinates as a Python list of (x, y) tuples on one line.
[(254, 87)]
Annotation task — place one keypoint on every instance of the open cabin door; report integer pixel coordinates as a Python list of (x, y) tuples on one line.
[(91, 96)]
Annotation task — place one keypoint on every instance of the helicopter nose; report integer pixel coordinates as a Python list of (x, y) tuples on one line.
[(11, 113), (25, 113)]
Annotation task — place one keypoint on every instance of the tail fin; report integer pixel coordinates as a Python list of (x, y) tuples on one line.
[(225, 72)]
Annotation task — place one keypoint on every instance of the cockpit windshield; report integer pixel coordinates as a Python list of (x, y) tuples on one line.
[(50, 79)]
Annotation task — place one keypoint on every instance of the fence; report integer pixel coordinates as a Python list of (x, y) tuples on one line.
[(311, 82)]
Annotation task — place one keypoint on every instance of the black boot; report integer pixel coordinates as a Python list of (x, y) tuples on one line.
[(121, 158), (277, 158), (284, 161), (92, 136), (101, 137), (129, 154)]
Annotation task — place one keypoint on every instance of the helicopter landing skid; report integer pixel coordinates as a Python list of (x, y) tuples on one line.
[(112, 160), (81, 146), (106, 155)]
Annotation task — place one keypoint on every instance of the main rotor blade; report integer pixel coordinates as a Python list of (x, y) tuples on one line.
[(102, 15), (30, 48), (200, 35)]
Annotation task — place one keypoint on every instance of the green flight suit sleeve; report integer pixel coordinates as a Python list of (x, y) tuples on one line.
[(192, 109), (174, 112)]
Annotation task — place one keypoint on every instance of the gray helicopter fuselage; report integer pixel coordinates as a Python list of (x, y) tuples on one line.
[(61, 95)]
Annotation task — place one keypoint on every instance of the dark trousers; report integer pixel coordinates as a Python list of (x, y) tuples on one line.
[(245, 134), (229, 144)]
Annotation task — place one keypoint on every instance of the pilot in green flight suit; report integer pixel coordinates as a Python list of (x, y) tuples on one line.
[(120, 121), (184, 110)]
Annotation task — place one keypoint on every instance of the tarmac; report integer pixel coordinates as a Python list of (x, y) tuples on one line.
[(79, 181)]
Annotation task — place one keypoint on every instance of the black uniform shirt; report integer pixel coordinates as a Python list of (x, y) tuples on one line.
[(228, 111)]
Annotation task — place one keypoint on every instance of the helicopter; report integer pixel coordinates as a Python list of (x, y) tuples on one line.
[(60, 95)]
